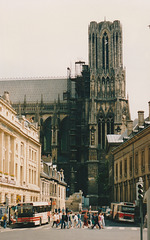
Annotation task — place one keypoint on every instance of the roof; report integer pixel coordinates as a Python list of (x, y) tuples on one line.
[(114, 138), (33, 89)]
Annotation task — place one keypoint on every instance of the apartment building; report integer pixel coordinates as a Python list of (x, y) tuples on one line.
[(20, 155), (53, 186), (132, 160)]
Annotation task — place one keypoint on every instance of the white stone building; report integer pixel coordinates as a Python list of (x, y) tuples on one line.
[(53, 186), (20, 155)]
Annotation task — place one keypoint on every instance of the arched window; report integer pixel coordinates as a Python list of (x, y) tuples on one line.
[(93, 50), (110, 125), (64, 136), (105, 51), (96, 53), (47, 135), (101, 132)]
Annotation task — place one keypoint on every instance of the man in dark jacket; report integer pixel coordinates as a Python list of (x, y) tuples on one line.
[(96, 221), (63, 220)]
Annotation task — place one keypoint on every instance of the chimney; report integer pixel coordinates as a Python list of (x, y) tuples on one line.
[(129, 127), (149, 110), (140, 118), (6, 96)]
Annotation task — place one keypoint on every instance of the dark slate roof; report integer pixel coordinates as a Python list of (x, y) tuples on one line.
[(33, 89)]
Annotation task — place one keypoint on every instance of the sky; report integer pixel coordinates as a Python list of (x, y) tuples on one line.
[(41, 38)]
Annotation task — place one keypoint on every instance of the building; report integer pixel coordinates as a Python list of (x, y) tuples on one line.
[(132, 160), (74, 115), (20, 154), (53, 186)]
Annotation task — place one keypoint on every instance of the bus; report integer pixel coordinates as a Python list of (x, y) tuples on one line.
[(123, 211), (35, 213)]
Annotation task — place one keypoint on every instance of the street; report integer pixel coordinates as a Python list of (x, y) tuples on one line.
[(112, 231)]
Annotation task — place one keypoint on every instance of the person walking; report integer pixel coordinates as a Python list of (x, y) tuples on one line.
[(85, 224), (5, 220), (63, 221), (75, 220), (68, 220), (96, 222), (54, 220), (79, 224), (102, 221)]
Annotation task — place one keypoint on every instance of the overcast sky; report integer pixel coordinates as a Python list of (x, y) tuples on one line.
[(41, 38)]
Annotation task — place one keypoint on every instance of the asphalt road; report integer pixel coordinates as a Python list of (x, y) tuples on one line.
[(112, 231)]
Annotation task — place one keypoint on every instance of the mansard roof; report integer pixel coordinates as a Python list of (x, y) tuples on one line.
[(33, 88)]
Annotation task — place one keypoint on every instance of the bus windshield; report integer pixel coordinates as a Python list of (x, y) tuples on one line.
[(128, 209), (25, 211)]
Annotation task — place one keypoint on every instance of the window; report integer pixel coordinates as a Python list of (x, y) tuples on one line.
[(22, 149), (130, 166), (17, 147), (143, 161), (125, 167), (101, 132), (136, 162), (12, 198), (29, 175), (121, 169), (16, 171), (105, 51), (30, 153), (149, 158), (116, 171)]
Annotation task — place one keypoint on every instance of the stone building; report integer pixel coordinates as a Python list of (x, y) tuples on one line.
[(53, 186), (132, 160), (20, 155), (74, 115)]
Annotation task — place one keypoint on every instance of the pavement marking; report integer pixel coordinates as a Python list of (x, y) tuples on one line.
[(134, 228)]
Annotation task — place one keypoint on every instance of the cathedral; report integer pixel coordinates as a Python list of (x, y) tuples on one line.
[(75, 114)]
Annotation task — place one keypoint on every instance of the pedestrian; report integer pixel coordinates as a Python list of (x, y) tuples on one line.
[(68, 220), (60, 218), (96, 222), (75, 220), (54, 220), (85, 220), (57, 219), (71, 214), (79, 220), (102, 221), (145, 221), (5, 220), (63, 221)]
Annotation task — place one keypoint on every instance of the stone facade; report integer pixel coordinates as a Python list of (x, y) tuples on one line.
[(53, 186), (20, 154), (132, 160)]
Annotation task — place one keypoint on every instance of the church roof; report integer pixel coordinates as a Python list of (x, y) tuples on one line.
[(114, 138), (33, 89)]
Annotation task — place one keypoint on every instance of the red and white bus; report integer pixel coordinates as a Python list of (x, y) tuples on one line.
[(35, 213), (123, 211)]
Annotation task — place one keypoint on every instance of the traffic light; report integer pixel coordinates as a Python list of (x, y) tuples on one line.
[(140, 191)]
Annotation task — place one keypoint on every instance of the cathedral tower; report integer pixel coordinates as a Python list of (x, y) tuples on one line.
[(109, 109), (108, 85)]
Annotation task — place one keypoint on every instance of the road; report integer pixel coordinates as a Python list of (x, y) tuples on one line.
[(112, 231)]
